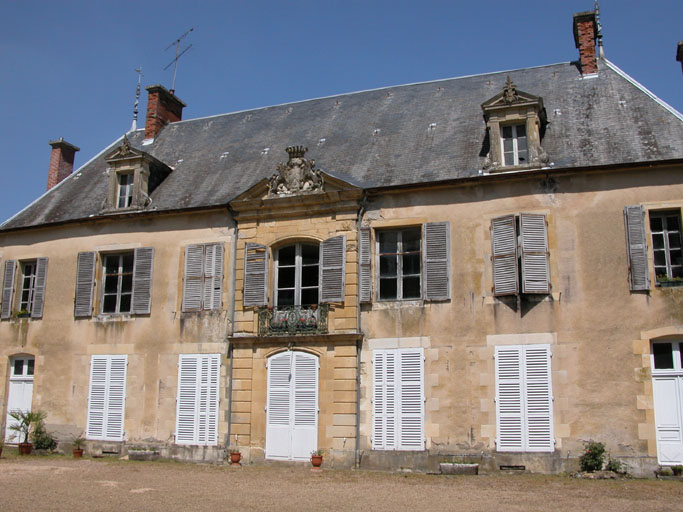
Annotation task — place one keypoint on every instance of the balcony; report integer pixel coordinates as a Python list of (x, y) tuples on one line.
[(292, 320)]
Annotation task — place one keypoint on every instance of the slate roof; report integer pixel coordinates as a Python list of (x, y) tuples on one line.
[(383, 137)]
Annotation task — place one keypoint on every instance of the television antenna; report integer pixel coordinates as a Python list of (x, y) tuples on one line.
[(178, 54)]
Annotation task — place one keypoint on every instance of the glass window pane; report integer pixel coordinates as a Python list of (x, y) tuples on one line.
[(387, 289), (111, 284), (19, 367), (522, 154), (285, 277), (676, 258), (388, 242), (655, 223), (677, 272), (126, 283), (125, 304), (127, 263), (411, 287), (673, 223), (411, 264), (521, 130), (30, 365), (507, 146), (309, 276), (309, 296), (286, 255), (674, 240), (507, 132), (387, 266), (285, 297), (663, 356), (111, 264), (109, 304), (660, 258), (509, 159), (658, 241), (411, 240), (309, 254)]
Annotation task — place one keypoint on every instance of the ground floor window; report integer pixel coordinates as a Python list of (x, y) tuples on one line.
[(107, 397), (524, 399), (197, 409), (667, 386), (398, 399)]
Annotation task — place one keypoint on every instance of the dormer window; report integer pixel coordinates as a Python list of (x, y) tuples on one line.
[(514, 144), (125, 190)]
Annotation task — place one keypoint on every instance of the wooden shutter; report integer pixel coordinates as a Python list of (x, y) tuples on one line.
[(278, 430), (411, 398), (255, 275), (384, 400), (437, 260), (534, 245), (332, 269), (39, 290), (85, 279), (365, 260), (8, 288), (305, 402), (107, 397), (504, 251), (142, 280), (194, 272), (639, 275), (538, 399), (213, 276), (509, 389), (197, 407)]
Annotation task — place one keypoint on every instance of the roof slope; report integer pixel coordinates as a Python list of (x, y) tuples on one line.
[(399, 135)]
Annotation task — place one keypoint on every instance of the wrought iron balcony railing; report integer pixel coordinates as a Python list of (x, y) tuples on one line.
[(291, 320)]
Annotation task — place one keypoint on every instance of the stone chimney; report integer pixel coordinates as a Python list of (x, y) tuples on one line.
[(585, 33), (61, 161), (163, 107)]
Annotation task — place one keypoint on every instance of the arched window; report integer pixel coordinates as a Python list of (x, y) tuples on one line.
[(298, 275)]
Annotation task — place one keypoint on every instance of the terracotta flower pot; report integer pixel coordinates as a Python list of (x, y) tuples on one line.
[(317, 461), (78, 453), (235, 458), (25, 448)]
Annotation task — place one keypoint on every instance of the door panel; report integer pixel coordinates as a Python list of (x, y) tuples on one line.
[(668, 392), (20, 397)]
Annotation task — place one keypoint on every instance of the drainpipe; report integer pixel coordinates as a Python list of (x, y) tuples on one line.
[(231, 328), (359, 341)]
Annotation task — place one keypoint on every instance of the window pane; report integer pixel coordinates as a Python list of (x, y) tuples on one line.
[(673, 223), (387, 266), (663, 356), (309, 276), (521, 130), (388, 242), (285, 277), (658, 241), (660, 258), (286, 255), (309, 296), (507, 146), (30, 364), (109, 304), (507, 132), (285, 297), (655, 223), (677, 272), (127, 262), (411, 264), (411, 287), (522, 154), (110, 284), (674, 240), (125, 304), (126, 283), (411, 240), (387, 288), (111, 264), (309, 254), (19, 367), (509, 159), (676, 258)]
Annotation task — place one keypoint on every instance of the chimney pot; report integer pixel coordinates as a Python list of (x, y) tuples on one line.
[(61, 161), (163, 107), (585, 33)]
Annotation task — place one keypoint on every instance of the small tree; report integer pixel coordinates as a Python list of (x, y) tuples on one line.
[(594, 456), (25, 420)]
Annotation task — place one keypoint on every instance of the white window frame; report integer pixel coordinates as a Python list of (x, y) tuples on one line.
[(515, 144), (197, 402), (124, 189), (665, 232), (119, 292), (399, 262), (28, 284), (108, 406), (676, 349), (299, 268), (25, 366)]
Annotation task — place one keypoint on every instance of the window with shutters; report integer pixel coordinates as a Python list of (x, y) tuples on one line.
[(400, 264), (519, 247), (665, 228), (203, 285), (297, 278), (398, 399), (117, 286), (524, 399), (197, 402), (29, 288), (107, 397)]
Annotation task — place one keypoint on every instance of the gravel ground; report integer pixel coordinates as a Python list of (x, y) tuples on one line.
[(62, 483)]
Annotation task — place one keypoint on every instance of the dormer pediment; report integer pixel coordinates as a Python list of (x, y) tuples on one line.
[(512, 98)]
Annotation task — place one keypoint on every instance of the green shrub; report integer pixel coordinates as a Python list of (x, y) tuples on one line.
[(594, 456), (614, 465), (42, 439)]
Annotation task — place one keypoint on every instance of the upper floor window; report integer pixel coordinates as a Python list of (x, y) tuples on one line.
[(203, 285), (400, 272), (117, 270), (514, 144), (298, 275), (28, 285), (30, 288), (665, 227), (124, 195)]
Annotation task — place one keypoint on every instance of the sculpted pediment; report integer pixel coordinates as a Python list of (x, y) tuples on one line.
[(510, 96), (125, 151)]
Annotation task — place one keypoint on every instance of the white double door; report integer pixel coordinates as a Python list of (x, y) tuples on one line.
[(20, 393), (292, 407), (668, 394)]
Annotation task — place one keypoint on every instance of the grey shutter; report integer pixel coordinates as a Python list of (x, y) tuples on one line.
[(332, 268), (365, 259), (194, 271), (639, 275), (39, 290), (504, 255), (142, 280), (255, 275), (85, 277), (213, 276), (437, 261), (534, 245), (8, 288)]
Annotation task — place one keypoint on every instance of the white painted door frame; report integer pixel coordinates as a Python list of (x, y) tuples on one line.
[(20, 393)]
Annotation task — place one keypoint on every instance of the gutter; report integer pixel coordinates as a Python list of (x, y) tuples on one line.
[(359, 341)]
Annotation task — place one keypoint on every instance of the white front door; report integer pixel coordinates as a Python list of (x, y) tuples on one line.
[(20, 392), (292, 408), (667, 384)]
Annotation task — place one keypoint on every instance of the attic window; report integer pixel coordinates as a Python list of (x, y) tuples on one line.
[(124, 196), (514, 145)]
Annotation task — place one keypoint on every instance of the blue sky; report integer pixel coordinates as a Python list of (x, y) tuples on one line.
[(68, 67)]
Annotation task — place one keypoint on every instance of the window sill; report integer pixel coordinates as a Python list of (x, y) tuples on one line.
[(113, 317), (396, 303), (669, 284)]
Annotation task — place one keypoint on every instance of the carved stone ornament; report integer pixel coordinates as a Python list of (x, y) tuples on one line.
[(510, 91), (297, 176)]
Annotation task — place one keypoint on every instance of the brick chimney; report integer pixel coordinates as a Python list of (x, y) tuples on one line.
[(61, 161), (585, 33), (163, 107)]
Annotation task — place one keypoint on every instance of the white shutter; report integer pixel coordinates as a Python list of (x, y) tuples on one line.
[(39, 290), (107, 397), (194, 272), (365, 259), (534, 245), (8, 288), (85, 280), (305, 402), (142, 280), (278, 434), (197, 407), (186, 407), (213, 276), (504, 251), (509, 390), (437, 260), (384, 404), (333, 269), (639, 275), (411, 396), (538, 399), (255, 275)]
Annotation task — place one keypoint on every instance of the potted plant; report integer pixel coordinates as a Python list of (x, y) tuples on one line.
[(677, 470), (235, 456), (23, 313), (665, 281), (78, 443), (317, 459), (24, 422)]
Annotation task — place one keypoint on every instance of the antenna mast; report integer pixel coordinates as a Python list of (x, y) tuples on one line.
[(178, 54), (134, 126)]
